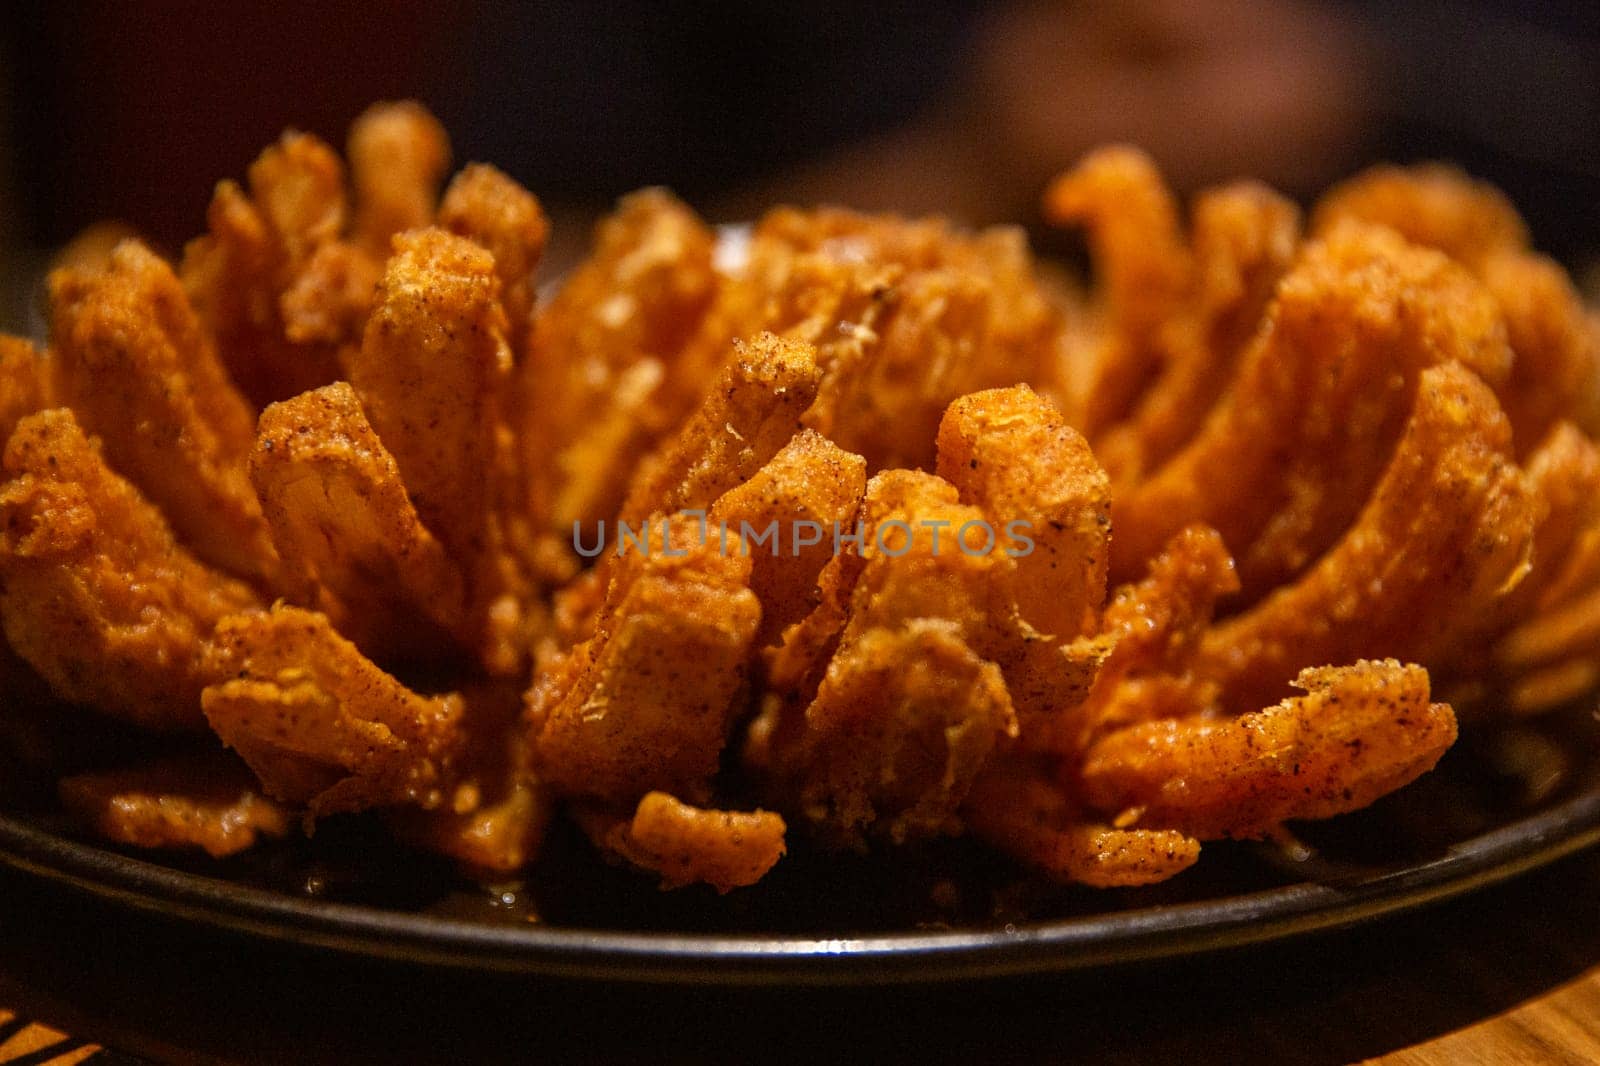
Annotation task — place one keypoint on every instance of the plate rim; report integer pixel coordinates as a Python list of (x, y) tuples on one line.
[(1111, 938)]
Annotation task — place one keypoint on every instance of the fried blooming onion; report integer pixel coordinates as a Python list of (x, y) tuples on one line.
[(852, 525)]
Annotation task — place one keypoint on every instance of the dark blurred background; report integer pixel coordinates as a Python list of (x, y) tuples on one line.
[(133, 110)]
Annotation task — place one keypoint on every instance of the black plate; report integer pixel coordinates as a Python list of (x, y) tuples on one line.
[(1499, 805)]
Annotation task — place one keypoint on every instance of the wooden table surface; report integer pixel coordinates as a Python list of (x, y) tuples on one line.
[(1510, 975)]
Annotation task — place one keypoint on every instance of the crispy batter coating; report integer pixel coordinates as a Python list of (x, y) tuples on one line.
[(257, 247), (431, 372), (1431, 204), (398, 156), (886, 702), (1019, 807), (688, 845), (647, 702), (902, 723), (1010, 453), (1360, 732), (594, 389), (1244, 238), (347, 531), (1282, 467), (139, 372), (98, 596), (1131, 216), (1446, 533), (906, 316), (811, 480), (751, 412), (1555, 372), (207, 801), (319, 724), (1155, 628), (486, 206)]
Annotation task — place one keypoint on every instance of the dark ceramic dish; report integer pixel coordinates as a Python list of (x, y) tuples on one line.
[(1502, 802)]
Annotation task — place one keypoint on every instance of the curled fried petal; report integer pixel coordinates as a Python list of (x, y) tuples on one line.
[(813, 483), (209, 802), (485, 205), (259, 244), (330, 298), (1244, 239), (1155, 628), (431, 373), (346, 529), (903, 721), (1360, 732), (318, 723), (1132, 218), (1281, 466), (1431, 204), (647, 702), (1557, 370), (1010, 453), (594, 389), (398, 156), (751, 412), (138, 371), (688, 845), (1019, 808), (98, 596), (1447, 533)]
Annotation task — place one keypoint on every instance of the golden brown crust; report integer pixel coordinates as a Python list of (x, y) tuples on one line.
[(432, 372), (647, 702), (139, 373), (98, 596), (1360, 732), (318, 723), (1446, 533), (346, 529), (687, 845), (208, 802), (398, 156), (484, 205)]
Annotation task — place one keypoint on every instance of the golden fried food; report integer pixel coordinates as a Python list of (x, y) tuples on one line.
[(1132, 220), (96, 593), (431, 373), (210, 802), (398, 157), (1243, 239), (686, 845), (1447, 532), (24, 382), (751, 411), (1021, 808), (1282, 466), (592, 389), (646, 703), (788, 512), (260, 247), (493, 820), (139, 372), (1360, 732), (346, 529), (871, 527), (1435, 205), (318, 723), (1010, 453), (486, 206)]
